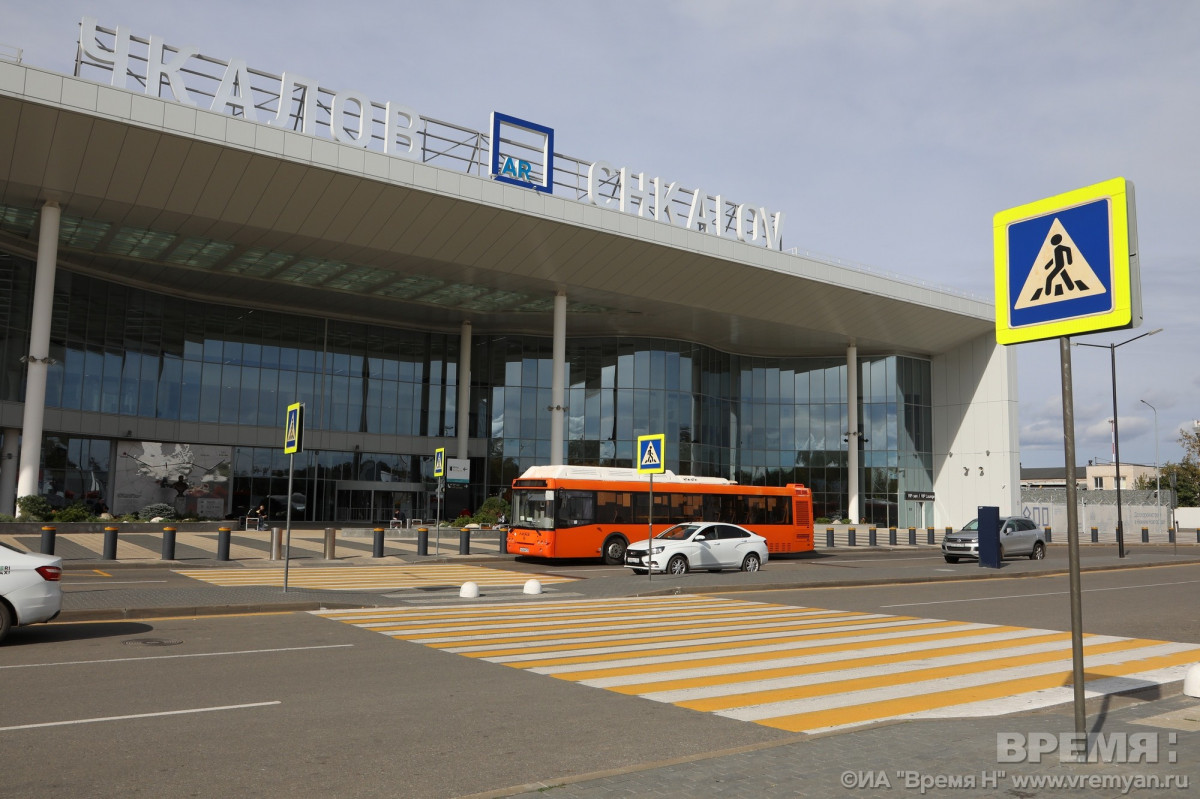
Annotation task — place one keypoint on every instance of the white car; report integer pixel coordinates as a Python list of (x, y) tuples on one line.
[(699, 545), (30, 590)]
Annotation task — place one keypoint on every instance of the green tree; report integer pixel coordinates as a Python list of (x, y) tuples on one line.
[(1186, 472)]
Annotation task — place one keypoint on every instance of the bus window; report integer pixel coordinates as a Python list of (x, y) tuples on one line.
[(532, 509), (576, 508)]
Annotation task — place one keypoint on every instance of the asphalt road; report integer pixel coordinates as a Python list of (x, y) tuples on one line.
[(297, 705)]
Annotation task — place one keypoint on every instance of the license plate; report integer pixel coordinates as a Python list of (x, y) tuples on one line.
[(525, 549)]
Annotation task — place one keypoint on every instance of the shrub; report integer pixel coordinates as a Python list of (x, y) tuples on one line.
[(158, 509), (75, 512), (4, 517), (34, 507)]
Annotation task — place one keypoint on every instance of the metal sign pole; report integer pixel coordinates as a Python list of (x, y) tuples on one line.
[(287, 541), (650, 533), (441, 491), (1068, 406)]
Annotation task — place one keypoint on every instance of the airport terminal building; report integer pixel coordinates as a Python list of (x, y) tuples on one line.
[(189, 245)]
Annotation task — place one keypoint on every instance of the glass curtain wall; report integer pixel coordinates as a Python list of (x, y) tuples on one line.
[(763, 421)]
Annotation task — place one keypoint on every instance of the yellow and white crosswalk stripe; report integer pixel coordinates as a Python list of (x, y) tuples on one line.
[(791, 668), (370, 578)]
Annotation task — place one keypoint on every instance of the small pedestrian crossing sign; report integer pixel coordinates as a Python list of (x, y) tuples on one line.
[(293, 429), (650, 454), (1067, 265), (439, 462)]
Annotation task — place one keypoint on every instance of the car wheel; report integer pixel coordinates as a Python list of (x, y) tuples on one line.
[(614, 550), (951, 559), (677, 565), (1039, 551), (751, 563), (6, 621), (1002, 552)]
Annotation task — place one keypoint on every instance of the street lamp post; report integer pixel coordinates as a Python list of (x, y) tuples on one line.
[(1157, 474), (1112, 351)]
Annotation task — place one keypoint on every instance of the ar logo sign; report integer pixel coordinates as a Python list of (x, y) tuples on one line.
[(517, 169), (522, 153), (1059, 272)]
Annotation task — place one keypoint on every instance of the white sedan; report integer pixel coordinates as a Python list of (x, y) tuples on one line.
[(699, 545), (30, 590)]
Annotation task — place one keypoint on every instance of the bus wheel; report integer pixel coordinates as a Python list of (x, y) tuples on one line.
[(677, 565), (614, 550)]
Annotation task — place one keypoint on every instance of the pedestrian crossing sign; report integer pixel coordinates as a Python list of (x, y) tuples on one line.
[(650, 454), (439, 462), (1067, 265), (293, 429)]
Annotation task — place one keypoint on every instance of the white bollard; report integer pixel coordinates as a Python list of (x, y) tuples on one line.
[(469, 590), (1191, 683), (533, 587)]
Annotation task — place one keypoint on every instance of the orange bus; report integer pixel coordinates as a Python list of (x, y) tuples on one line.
[(590, 511)]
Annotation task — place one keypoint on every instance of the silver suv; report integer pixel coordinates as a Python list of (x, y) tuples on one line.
[(1018, 536)]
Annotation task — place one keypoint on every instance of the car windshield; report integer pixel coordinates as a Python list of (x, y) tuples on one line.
[(9, 546), (679, 532), (972, 525)]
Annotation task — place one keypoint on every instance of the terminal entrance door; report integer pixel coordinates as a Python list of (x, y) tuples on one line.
[(370, 502)]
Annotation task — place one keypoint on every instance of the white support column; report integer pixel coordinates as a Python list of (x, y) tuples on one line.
[(8, 471), (38, 359), (852, 487), (464, 389), (558, 380)]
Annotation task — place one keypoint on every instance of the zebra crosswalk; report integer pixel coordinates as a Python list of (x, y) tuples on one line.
[(370, 578), (791, 668)]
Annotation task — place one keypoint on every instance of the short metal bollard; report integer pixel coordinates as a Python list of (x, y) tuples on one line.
[(930, 535), (422, 541), (168, 543), (110, 543), (223, 543), (1170, 535), (464, 541), (47, 547), (330, 544), (1145, 535), (829, 536), (378, 551), (852, 537), (872, 537), (1095, 535), (276, 543), (1049, 535)]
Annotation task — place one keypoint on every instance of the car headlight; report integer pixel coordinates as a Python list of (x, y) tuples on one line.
[(656, 550)]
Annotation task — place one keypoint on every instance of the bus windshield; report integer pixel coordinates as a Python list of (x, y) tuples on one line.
[(533, 509)]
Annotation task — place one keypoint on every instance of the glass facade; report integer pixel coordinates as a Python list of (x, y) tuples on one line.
[(136, 353)]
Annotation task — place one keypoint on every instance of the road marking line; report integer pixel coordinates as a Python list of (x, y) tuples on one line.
[(176, 657), (118, 582), (138, 716), (1030, 596)]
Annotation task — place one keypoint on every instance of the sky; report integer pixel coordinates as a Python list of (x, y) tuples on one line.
[(889, 132)]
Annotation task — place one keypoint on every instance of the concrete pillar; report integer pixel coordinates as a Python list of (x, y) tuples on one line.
[(558, 380), (8, 471), (38, 359), (852, 437), (464, 390)]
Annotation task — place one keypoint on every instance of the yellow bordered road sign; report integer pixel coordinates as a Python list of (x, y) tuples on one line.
[(1067, 265), (650, 458), (293, 429), (439, 462)]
